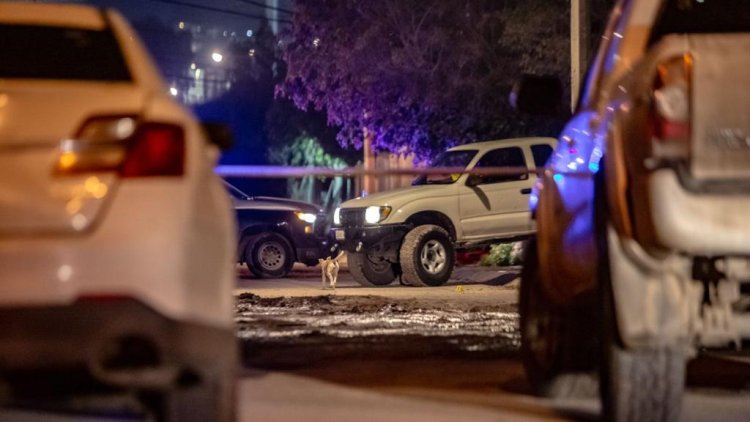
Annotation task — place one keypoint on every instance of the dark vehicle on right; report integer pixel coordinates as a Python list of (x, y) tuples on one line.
[(274, 233)]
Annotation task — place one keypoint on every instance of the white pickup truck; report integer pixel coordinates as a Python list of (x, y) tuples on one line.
[(413, 232)]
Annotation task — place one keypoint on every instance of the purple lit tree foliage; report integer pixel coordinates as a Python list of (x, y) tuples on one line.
[(421, 75)]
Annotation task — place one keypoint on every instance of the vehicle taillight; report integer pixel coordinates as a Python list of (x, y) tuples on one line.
[(124, 145), (157, 149), (670, 120)]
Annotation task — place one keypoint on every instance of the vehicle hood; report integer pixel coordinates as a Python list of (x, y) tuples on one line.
[(278, 204), (401, 196)]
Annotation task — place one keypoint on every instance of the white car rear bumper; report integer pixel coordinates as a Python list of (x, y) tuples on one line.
[(153, 247)]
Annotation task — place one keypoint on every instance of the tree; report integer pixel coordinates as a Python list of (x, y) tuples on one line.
[(422, 75)]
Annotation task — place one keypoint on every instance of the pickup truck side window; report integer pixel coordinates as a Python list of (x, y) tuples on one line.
[(503, 157), (541, 153)]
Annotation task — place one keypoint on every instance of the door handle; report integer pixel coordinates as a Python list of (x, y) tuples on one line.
[(526, 191)]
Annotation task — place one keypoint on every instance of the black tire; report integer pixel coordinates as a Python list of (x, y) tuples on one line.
[(556, 343), (370, 271), (427, 256), (644, 384), (269, 255)]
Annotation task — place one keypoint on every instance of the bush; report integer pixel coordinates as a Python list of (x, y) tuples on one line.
[(503, 255)]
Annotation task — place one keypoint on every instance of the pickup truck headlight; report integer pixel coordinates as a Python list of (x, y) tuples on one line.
[(374, 215), (337, 216), (306, 217)]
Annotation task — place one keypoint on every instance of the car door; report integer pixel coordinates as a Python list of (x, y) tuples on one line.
[(496, 205)]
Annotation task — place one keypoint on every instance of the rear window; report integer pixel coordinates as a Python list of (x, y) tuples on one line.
[(702, 17), (43, 52)]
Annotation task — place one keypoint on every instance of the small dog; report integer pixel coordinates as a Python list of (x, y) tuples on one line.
[(329, 268)]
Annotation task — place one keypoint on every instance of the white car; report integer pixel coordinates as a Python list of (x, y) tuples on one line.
[(117, 241), (413, 232)]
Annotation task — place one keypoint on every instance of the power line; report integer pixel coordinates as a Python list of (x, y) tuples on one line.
[(265, 6), (219, 10)]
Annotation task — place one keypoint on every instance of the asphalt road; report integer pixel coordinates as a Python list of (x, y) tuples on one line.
[(308, 358)]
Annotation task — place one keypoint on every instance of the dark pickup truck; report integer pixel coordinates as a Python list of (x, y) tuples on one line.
[(274, 233)]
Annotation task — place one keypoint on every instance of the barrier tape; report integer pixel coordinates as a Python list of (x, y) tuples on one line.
[(286, 172)]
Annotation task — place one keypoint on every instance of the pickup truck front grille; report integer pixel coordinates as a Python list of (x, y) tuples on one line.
[(352, 217)]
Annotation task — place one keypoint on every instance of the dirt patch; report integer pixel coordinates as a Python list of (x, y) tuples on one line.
[(294, 331)]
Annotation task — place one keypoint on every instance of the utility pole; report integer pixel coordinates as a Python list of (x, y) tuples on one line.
[(369, 181), (580, 28)]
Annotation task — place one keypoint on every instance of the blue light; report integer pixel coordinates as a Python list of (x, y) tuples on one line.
[(558, 177), (594, 167)]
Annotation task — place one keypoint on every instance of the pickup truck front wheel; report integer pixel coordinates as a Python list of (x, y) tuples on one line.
[(427, 256), (269, 255), (370, 271)]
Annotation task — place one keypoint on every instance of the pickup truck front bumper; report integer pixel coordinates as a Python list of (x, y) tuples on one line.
[(384, 240)]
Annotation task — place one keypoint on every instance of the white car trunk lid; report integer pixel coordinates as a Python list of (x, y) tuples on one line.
[(35, 119)]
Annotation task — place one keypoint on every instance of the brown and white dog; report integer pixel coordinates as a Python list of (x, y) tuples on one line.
[(329, 268)]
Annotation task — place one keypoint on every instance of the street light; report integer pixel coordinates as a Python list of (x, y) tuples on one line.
[(217, 57)]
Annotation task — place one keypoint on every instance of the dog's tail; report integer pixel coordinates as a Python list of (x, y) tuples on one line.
[(341, 253)]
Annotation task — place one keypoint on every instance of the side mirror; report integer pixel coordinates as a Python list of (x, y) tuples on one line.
[(537, 95), (219, 134), (474, 180)]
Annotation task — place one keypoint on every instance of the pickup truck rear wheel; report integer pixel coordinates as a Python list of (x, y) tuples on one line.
[(556, 342), (370, 271), (427, 256)]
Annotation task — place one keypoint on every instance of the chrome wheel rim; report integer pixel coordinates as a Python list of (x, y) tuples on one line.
[(433, 257), (271, 256)]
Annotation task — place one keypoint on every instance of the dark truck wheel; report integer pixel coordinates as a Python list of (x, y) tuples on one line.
[(369, 270), (556, 343), (427, 256), (269, 255)]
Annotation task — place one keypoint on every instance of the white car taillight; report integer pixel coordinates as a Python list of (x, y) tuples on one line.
[(671, 110), (123, 145)]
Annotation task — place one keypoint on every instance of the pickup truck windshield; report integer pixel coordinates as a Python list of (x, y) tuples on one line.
[(460, 158), (53, 52)]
